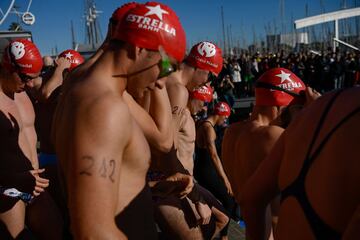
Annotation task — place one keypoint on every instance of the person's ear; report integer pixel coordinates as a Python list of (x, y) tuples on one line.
[(143, 52), (132, 51)]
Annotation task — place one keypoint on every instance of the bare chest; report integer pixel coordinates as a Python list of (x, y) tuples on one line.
[(19, 111), (16, 116), (186, 141), (137, 153)]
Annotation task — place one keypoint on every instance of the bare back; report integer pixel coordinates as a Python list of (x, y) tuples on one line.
[(332, 179), (244, 146)]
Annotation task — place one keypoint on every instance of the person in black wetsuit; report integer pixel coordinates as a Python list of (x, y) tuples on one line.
[(318, 177), (208, 170)]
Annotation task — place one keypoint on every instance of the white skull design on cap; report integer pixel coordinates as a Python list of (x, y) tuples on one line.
[(206, 49), (18, 50)]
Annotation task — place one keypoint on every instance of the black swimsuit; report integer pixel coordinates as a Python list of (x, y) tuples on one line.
[(15, 169), (320, 229), (127, 222)]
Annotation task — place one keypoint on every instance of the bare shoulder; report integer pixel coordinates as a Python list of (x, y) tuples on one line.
[(235, 129), (25, 107), (106, 110), (236, 126), (207, 127), (271, 133), (23, 98)]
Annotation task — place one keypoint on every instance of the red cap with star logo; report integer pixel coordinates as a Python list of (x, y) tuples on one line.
[(203, 93), (152, 25), (222, 109), (73, 56), (22, 56), (206, 56), (279, 87)]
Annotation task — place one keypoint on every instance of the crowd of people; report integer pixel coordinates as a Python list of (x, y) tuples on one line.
[(323, 71), (129, 148)]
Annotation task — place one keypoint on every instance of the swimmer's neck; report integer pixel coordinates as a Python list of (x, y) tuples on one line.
[(264, 115), (6, 91), (184, 76), (115, 64)]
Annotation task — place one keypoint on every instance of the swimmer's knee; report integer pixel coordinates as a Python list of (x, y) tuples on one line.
[(220, 217)]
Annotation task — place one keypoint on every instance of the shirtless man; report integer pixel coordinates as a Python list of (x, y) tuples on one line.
[(315, 168), (247, 143), (20, 176), (200, 215), (103, 153), (154, 121), (208, 169), (152, 112)]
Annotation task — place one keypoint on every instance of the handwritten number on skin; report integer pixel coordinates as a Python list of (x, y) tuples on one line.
[(112, 166), (177, 110), (105, 170), (90, 164)]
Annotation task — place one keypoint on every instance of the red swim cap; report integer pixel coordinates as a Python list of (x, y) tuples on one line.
[(271, 88), (206, 56), (73, 56), (152, 25), (120, 12), (222, 109), (22, 56), (203, 93)]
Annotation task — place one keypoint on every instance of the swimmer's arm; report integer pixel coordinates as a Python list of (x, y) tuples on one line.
[(210, 145), (353, 229), (94, 173), (145, 101), (160, 110), (34, 155), (178, 185), (55, 80), (31, 136), (179, 97), (156, 124), (258, 192)]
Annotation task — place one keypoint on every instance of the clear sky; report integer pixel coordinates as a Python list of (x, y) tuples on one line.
[(201, 19)]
